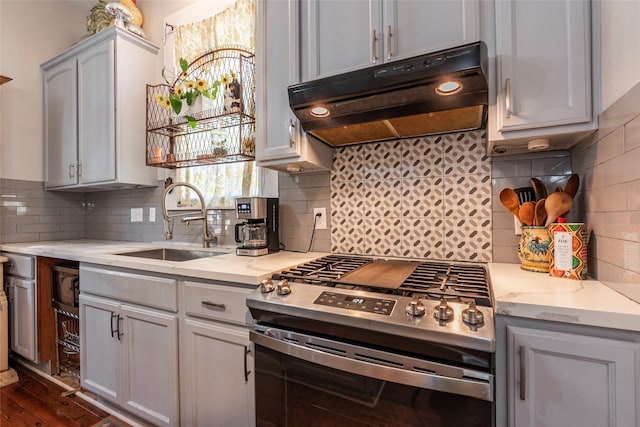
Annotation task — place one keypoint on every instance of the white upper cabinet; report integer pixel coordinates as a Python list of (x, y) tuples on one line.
[(280, 142), (342, 36), (95, 113), (544, 73)]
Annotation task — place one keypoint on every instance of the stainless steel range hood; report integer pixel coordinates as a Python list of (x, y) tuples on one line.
[(397, 99)]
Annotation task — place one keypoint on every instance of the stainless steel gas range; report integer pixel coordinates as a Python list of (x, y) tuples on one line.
[(347, 340)]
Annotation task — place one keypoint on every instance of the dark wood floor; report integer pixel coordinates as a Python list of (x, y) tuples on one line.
[(36, 401)]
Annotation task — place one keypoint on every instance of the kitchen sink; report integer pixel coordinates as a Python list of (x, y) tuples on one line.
[(167, 254)]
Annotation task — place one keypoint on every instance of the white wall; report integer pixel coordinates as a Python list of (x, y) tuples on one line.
[(620, 35), (31, 32)]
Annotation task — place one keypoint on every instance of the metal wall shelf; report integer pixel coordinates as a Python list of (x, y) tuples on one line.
[(221, 134)]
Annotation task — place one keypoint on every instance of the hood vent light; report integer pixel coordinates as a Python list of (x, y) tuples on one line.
[(319, 112), (449, 88), (430, 94)]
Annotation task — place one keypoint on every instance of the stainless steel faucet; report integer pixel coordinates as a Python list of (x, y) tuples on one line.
[(207, 238)]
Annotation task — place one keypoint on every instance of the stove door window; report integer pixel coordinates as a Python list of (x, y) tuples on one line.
[(294, 392)]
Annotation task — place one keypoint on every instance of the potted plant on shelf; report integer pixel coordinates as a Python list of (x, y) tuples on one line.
[(188, 96)]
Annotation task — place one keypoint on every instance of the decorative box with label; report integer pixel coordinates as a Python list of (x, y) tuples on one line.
[(568, 250)]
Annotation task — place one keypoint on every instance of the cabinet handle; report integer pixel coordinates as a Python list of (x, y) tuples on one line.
[(214, 305), (523, 373), (246, 371), (507, 98), (292, 132), (113, 330), (388, 41), (71, 171), (374, 39), (118, 330), (79, 169)]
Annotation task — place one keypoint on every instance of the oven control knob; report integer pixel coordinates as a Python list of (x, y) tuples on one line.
[(443, 311), (283, 287), (415, 307), (472, 315), (267, 286)]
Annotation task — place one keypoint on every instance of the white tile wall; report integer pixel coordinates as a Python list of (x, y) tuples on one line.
[(609, 163)]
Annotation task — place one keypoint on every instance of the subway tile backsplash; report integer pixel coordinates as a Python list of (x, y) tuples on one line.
[(610, 195)]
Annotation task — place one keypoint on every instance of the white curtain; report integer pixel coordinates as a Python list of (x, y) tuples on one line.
[(234, 26)]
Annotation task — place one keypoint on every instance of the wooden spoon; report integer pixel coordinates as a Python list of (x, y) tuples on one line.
[(509, 200), (527, 212), (571, 187), (540, 214), (558, 203), (539, 188)]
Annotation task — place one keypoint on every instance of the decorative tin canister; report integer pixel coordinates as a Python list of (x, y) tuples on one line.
[(533, 248), (568, 250)]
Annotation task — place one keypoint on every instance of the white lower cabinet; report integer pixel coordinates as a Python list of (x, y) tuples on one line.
[(130, 357), (20, 287), (216, 361), (563, 379), (217, 375), (22, 308)]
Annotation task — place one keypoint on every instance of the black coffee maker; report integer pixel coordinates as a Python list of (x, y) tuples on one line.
[(258, 235)]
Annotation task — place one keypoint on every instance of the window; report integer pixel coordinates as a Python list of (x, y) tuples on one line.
[(228, 24)]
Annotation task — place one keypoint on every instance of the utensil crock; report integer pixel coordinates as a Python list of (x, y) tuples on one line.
[(533, 248)]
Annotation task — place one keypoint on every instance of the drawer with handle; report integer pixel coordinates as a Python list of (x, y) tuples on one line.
[(218, 302), (20, 265)]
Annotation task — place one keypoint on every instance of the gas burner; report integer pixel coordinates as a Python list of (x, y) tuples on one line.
[(435, 280)]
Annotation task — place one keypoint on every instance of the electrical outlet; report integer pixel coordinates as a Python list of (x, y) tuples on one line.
[(136, 214), (152, 214), (321, 221)]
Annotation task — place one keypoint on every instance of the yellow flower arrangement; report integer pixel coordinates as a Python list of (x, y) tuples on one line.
[(189, 91)]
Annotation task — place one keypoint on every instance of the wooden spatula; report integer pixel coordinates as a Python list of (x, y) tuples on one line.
[(527, 213), (557, 203), (540, 214), (509, 200)]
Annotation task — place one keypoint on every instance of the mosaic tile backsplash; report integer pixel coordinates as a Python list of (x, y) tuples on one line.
[(418, 198)]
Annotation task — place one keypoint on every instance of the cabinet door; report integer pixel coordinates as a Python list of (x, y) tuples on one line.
[(96, 113), (342, 36), (559, 379), (60, 124), (22, 306), (99, 346), (217, 376), (149, 370), (413, 28), (277, 127), (544, 76)]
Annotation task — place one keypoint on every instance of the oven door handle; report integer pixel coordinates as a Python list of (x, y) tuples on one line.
[(475, 388)]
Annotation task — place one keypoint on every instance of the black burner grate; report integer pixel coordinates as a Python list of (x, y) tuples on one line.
[(433, 279)]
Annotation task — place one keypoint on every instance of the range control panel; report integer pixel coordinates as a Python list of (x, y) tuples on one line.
[(351, 302)]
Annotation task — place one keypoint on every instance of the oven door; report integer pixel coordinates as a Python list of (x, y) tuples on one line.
[(313, 381)]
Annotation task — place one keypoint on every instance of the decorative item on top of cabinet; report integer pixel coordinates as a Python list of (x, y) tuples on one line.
[(547, 85), (216, 132), (280, 142), (380, 31)]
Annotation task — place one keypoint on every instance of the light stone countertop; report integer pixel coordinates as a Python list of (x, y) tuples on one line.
[(539, 296), (516, 292), (228, 267)]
